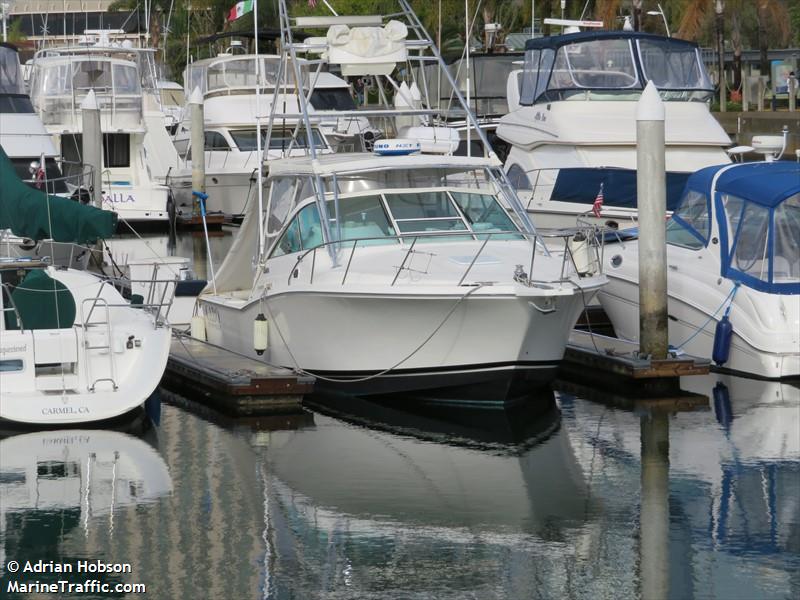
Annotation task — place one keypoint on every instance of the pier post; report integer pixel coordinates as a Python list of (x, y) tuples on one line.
[(92, 145), (198, 141), (654, 515), (792, 91), (651, 189), (745, 93), (762, 89)]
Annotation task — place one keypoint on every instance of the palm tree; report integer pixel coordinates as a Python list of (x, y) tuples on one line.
[(772, 13)]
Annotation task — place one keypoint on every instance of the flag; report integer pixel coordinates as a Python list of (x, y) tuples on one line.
[(240, 9), (598, 203)]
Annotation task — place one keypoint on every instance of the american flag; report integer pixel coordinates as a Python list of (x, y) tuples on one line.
[(598, 203)]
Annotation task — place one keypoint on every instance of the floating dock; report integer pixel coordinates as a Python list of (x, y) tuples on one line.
[(230, 382), (193, 222), (614, 362)]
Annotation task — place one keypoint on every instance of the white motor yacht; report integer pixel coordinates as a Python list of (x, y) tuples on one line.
[(228, 87), (137, 152), (732, 256), (22, 134), (398, 270), (572, 122)]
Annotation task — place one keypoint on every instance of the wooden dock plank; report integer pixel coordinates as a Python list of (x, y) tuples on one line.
[(232, 382)]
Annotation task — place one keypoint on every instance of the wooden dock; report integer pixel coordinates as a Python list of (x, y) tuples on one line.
[(194, 222), (232, 383), (612, 362)]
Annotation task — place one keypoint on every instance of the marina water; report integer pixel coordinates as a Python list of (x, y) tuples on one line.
[(545, 498)]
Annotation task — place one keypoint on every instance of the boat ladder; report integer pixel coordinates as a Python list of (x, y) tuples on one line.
[(103, 344)]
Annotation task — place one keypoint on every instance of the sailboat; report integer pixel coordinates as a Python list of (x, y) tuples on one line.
[(72, 349)]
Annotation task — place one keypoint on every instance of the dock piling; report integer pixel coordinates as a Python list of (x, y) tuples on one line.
[(198, 141), (651, 191), (92, 145)]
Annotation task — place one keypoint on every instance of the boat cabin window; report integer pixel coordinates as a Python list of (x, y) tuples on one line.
[(598, 64), (690, 225), (332, 99), (172, 97), (518, 178), (673, 66), (762, 242), (303, 233), (787, 240), (116, 150), (11, 81), (214, 140), (428, 211), (361, 217), (245, 139)]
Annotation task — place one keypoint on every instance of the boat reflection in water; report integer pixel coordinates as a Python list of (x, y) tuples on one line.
[(414, 487), (720, 489)]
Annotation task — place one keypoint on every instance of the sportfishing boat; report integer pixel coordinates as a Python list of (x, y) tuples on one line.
[(72, 349), (572, 122), (398, 270), (230, 108), (137, 152), (733, 269)]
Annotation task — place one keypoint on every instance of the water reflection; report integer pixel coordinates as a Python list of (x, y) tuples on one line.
[(719, 511), (64, 485), (554, 497)]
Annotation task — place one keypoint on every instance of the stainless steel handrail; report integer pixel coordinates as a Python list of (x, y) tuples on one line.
[(593, 236)]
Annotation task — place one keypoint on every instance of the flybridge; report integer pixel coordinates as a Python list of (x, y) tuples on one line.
[(612, 64)]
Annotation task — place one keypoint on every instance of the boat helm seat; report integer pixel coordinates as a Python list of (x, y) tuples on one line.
[(42, 303)]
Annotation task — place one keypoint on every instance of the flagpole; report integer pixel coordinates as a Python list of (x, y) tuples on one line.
[(259, 149)]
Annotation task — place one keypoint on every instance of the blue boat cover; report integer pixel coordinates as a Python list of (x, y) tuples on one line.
[(757, 209), (581, 184)]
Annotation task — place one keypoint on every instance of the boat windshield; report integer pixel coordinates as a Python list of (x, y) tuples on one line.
[(760, 242), (614, 68), (383, 218), (231, 73), (11, 81)]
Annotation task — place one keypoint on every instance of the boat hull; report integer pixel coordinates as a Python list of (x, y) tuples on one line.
[(692, 327), (486, 347)]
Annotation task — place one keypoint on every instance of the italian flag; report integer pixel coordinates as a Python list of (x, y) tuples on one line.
[(241, 8)]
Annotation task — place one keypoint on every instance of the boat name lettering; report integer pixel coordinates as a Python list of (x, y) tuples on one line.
[(9, 349), (539, 116), (65, 410), (119, 198), (62, 441)]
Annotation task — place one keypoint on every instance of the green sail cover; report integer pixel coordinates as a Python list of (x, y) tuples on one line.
[(42, 302), (28, 212)]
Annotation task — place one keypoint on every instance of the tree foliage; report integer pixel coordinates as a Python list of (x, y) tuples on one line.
[(778, 21)]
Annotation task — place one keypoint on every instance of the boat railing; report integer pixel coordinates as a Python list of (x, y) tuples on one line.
[(160, 295), (76, 182), (535, 185), (581, 249), (5, 290)]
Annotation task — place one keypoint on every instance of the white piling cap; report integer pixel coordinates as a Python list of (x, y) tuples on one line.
[(196, 96), (90, 102), (650, 107)]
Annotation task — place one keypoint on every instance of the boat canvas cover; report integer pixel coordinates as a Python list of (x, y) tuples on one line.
[(757, 206), (33, 214)]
